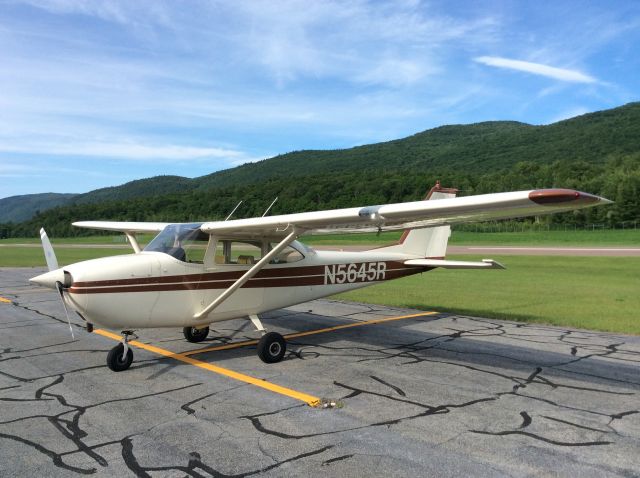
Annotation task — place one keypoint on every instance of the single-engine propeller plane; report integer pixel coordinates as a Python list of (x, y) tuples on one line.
[(192, 275)]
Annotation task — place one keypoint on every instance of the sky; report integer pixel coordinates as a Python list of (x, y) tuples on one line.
[(98, 93)]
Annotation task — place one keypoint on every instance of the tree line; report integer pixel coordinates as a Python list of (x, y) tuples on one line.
[(617, 178)]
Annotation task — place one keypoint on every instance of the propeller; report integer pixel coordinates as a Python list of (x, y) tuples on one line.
[(52, 264), (66, 311), (49, 255)]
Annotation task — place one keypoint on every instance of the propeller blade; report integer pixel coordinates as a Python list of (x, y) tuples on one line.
[(49, 255), (61, 291)]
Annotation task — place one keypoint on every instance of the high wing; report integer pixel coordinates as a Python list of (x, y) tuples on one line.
[(130, 227), (410, 214)]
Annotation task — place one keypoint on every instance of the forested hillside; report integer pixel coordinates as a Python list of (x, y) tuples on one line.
[(476, 148), (136, 189), (21, 208), (597, 153)]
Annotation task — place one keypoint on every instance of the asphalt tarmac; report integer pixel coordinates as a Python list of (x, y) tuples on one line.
[(418, 394)]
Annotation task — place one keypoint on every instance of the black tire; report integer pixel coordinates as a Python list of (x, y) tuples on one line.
[(272, 347), (115, 361), (195, 335)]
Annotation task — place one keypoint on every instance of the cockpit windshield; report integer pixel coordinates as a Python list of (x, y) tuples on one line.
[(185, 242)]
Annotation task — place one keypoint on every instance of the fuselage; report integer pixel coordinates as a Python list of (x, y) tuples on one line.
[(154, 289)]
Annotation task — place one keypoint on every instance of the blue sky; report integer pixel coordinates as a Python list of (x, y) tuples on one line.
[(98, 93)]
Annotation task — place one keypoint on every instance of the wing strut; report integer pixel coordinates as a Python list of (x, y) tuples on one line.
[(248, 275), (131, 237)]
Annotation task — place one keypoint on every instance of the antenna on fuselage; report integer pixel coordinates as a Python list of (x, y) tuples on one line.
[(270, 206), (234, 210)]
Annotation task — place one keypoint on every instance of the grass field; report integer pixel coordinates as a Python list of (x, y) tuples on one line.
[(606, 237), (603, 237), (118, 239), (599, 293), (34, 257)]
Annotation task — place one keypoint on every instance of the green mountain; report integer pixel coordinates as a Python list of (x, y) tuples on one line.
[(476, 148), (136, 189), (597, 152), (21, 208)]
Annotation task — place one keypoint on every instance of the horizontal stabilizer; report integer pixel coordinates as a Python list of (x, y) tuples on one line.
[(485, 264)]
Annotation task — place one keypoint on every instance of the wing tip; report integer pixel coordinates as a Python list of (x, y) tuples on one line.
[(552, 197)]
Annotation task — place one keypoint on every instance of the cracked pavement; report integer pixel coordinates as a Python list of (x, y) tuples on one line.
[(441, 395)]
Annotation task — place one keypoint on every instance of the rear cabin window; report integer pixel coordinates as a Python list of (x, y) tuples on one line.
[(250, 252), (238, 252)]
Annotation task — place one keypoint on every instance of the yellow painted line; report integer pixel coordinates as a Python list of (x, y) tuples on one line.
[(310, 332), (234, 345), (359, 324), (5, 300), (308, 399)]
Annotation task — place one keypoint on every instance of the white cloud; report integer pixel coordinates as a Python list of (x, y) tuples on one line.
[(128, 150), (391, 45), (537, 69), (19, 170), (395, 72), (126, 13), (15, 169)]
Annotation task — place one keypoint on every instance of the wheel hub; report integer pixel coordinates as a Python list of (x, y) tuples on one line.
[(274, 349)]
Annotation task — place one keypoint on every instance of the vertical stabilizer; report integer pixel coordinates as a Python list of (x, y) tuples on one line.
[(428, 241)]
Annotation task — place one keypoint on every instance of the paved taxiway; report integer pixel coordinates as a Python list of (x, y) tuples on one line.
[(439, 395)]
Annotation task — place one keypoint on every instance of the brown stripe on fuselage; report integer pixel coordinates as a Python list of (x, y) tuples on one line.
[(288, 277), (205, 276)]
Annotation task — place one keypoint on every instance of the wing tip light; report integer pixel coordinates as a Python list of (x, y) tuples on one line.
[(553, 197)]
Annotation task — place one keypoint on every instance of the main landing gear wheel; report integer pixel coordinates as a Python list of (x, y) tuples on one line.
[(195, 335), (272, 347), (117, 360)]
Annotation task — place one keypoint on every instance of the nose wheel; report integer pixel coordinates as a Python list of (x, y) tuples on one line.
[(120, 357)]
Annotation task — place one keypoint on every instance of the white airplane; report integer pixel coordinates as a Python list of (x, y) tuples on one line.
[(191, 275)]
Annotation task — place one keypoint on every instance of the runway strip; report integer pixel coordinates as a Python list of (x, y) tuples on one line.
[(272, 387), (547, 250), (516, 250)]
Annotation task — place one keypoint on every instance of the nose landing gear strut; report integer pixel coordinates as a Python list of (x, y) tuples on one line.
[(120, 357)]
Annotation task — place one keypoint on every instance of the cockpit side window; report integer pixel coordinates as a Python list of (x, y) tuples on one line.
[(185, 242), (287, 255)]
